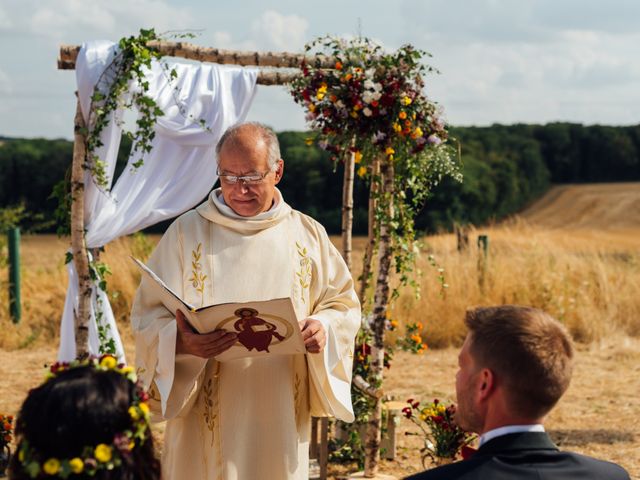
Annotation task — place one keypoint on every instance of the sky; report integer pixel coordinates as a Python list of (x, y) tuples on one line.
[(499, 61)]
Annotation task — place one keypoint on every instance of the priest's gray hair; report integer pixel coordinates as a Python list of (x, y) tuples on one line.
[(266, 134)]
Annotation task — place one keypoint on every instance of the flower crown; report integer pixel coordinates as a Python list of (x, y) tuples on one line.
[(93, 457)]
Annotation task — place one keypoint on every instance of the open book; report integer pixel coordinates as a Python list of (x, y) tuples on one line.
[(264, 328)]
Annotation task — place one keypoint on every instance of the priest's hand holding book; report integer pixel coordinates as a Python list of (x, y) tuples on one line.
[(205, 345)]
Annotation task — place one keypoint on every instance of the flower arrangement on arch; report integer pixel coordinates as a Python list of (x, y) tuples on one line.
[(372, 95), (6, 430), (443, 438)]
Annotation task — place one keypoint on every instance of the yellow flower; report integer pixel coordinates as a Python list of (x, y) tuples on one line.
[(76, 465), (126, 370), (134, 414), (402, 115), (51, 466), (103, 453), (357, 156), (145, 408), (109, 361), (389, 151), (21, 455), (312, 107), (354, 114), (362, 171), (406, 101), (308, 141), (441, 408), (397, 127), (417, 132), (320, 95)]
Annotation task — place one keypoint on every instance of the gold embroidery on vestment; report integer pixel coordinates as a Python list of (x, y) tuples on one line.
[(197, 277), (304, 275), (210, 416)]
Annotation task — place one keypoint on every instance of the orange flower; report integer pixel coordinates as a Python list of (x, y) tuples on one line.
[(333, 99), (338, 65), (419, 326), (348, 77), (402, 115)]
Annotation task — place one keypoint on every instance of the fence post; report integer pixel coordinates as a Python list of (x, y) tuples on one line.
[(483, 255), (15, 308)]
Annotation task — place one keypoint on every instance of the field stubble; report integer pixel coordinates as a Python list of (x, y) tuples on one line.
[(587, 278)]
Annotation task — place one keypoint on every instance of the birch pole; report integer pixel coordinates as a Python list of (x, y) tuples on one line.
[(371, 234), (78, 246), (347, 206), (381, 300)]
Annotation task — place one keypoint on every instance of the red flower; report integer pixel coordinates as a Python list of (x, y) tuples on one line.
[(407, 412)]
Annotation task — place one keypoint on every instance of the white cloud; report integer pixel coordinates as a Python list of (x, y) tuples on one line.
[(281, 32), (5, 21), (5, 83), (56, 18)]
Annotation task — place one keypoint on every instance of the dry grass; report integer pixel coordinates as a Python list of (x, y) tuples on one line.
[(582, 266), (595, 417)]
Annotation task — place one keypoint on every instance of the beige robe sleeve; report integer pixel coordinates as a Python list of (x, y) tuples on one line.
[(170, 378), (336, 305)]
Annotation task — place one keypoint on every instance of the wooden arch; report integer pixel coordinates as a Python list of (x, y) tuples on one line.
[(276, 68)]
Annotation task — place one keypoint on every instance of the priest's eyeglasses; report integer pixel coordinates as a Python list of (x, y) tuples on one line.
[(251, 179)]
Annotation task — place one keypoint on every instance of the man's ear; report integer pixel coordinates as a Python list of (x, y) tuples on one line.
[(279, 171), (486, 384)]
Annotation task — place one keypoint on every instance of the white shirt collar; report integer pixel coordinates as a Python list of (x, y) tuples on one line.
[(227, 211), (498, 432)]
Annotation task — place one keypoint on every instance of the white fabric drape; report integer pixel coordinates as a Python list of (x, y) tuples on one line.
[(177, 173)]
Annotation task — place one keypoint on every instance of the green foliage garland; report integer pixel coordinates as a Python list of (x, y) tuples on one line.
[(372, 104)]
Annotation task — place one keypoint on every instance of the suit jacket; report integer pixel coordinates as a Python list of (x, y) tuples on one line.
[(525, 456)]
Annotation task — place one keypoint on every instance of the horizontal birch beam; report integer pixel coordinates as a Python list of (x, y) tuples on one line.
[(69, 53)]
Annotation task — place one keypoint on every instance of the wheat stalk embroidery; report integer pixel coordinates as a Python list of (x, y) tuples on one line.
[(304, 275), (209, 415), (197, 277)]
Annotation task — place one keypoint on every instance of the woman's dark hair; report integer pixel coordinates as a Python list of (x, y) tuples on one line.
[(82, 407)]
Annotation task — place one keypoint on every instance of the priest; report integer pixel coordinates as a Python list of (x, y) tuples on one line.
[(246, 418)]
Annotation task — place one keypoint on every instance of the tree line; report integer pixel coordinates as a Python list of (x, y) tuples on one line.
[(505, 168)]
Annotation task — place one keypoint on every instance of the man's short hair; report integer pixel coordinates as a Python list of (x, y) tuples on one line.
[(262, 131), (528, 350)]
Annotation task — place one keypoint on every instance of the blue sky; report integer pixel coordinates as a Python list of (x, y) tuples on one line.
[(501, 61)]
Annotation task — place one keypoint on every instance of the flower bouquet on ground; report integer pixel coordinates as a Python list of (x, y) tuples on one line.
[(6, 435), (443, 438)]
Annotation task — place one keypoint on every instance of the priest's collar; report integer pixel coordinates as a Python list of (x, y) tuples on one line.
[(227, 211), (215, 210)]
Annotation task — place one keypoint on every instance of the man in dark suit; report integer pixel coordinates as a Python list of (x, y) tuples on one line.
[(514, 366)]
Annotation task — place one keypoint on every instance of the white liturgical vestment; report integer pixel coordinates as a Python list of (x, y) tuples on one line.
[(246, 418)]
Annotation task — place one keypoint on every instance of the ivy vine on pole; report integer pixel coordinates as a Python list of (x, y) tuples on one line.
[(372, 104), (122, 85)]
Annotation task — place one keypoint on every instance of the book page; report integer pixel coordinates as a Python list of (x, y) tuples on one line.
[(267, 327)]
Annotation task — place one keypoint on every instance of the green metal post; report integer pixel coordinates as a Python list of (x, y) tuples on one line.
[(14, 274)]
